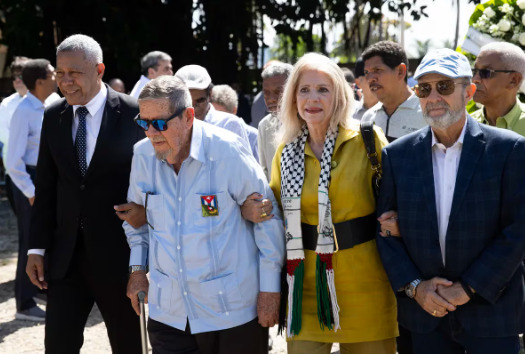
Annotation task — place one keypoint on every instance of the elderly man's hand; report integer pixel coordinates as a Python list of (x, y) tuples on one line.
[(268, 308), (389, 225), (133, 213), (428, 298), (138, 281), (256, 209), (454, 294)]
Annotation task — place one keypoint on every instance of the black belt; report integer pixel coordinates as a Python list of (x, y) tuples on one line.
[(348, 233)]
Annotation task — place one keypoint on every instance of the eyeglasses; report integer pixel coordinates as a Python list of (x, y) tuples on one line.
[(17, 76), (443, 87), (159, 124), (488, 73)]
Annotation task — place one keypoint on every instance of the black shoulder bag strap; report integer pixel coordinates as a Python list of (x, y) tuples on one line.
[(367, 132)]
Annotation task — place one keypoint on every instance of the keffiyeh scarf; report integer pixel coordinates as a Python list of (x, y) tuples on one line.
[(292, 179)]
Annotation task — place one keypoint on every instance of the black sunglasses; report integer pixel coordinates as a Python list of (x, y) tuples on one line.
[(443, 87), (159, 124), (488, 73)]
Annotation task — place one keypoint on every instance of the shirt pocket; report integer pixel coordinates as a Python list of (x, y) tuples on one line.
[(155, 211), (160, 291), (222, 202), (220, 294)]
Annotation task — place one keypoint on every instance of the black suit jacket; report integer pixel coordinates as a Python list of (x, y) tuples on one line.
[(485, 240), (63, 196)]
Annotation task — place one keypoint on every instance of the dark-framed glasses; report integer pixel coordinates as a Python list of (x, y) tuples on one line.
[(160, 124), (488, 73), (443, 87)]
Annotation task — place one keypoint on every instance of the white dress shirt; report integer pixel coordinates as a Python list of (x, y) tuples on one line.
[(268, 130), (229, 122), (139, 86), (7, 108), (445, 163), (95, 108)]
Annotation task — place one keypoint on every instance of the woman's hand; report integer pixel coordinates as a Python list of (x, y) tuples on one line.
[(389, 226)]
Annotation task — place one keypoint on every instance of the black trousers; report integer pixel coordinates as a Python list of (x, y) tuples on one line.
[(451, 338), (70, 300), (247, 338), (9, 192), (24, 289)]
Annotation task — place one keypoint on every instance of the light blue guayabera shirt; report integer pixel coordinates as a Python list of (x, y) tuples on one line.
[(207, 269)]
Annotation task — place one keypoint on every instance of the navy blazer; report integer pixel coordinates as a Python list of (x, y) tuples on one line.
[(485, 241)]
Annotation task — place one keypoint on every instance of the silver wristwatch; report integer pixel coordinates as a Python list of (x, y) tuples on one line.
[(136, 268), (410, 289)]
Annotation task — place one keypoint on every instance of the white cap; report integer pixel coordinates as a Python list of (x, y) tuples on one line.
[(194, 76), (445, 62)]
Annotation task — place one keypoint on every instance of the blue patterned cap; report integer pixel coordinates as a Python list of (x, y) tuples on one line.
[(445, 62)]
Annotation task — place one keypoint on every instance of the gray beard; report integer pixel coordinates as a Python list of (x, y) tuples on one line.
[(162, 155), (444, 121)]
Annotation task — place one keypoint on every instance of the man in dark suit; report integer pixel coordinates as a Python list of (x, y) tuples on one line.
[(458, 189), (83, 170)]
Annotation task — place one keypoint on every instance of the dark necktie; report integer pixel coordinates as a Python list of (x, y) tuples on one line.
[(80, 140)]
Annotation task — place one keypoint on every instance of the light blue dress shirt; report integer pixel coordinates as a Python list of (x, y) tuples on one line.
[(24, 142), (207, 269)]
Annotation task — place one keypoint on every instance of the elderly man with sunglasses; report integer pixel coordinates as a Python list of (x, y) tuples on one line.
[(214, 278), (457, 187), (498, 74)]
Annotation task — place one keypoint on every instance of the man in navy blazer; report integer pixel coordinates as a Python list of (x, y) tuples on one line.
[(459, 190)]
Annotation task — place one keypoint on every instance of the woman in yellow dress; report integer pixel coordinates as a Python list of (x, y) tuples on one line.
[(338, 289)]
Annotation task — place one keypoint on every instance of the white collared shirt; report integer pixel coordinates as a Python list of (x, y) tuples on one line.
[(407, 118), (24, 132), (139, 86), (445, 163), (7, 108), (95, 108)]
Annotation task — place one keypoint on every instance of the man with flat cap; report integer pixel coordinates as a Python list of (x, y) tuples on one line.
[(457, 187)]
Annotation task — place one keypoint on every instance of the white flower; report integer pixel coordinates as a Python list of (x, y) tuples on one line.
[(522, 38), (489, 12), (506, 9), (493, 29), (523, 19), (521, 4), (504, 25)]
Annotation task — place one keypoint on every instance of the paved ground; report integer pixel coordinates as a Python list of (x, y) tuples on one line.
[(28, 337)]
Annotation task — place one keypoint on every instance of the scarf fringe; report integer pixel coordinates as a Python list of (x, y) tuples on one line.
[(295, 279), (327, 306)]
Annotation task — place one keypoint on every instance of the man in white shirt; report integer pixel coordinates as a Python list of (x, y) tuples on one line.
[(7, 108), (274, 77), (199, 83), (457, 187), (398, 112), (39, 77), (84, 161), (153, 64)]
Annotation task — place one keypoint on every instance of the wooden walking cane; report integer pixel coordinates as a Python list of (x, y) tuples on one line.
[(143, 334)]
